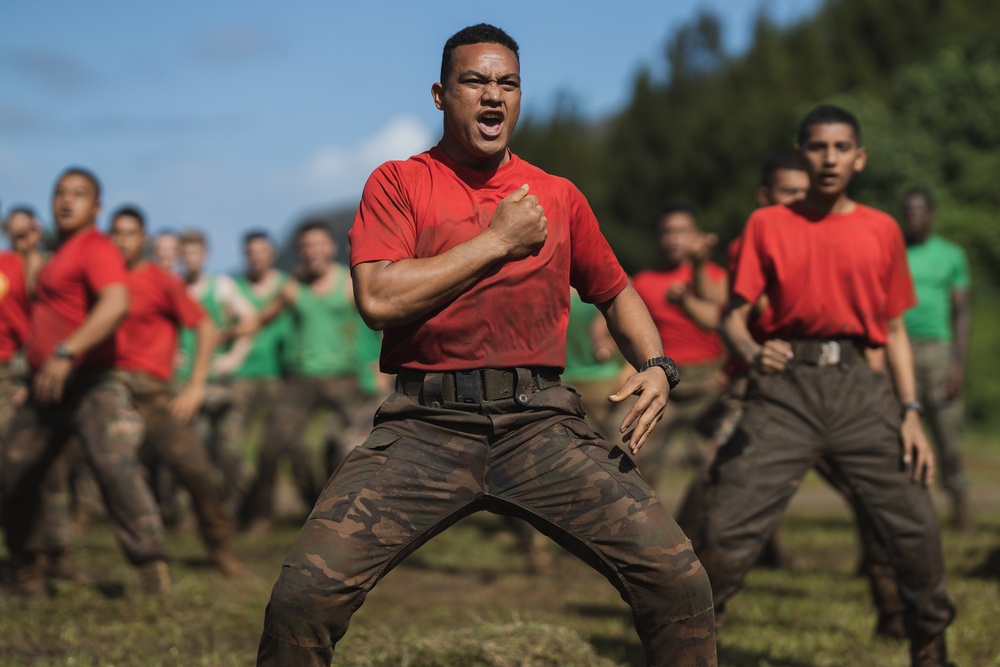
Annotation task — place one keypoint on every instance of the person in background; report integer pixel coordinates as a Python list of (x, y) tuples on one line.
[(939, 327)]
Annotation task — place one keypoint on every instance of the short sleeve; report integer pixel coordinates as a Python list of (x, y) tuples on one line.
[(594, 270), (961, 278), (384, 228), (103, 265), (749, 279), (900, 294), (186, 311)]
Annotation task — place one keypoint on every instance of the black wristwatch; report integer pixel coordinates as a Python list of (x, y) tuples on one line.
[(916, 406), (668, 366), (62, 352)]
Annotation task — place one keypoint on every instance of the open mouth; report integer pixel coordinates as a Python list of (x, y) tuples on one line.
[(491, 123), (828, 179)]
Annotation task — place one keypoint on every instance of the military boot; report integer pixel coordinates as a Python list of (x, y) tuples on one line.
[(929, 651)]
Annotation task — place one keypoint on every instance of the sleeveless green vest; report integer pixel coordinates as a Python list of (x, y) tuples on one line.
[(325, 331), (267, 353)]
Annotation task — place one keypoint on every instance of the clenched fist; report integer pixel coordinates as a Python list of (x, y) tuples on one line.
[(519, 224)]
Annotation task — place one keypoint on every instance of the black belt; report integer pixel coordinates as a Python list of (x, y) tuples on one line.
[(475, 386), (832, 352)]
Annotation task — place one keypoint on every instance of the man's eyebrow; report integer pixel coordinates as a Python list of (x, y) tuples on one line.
[(480, 75)]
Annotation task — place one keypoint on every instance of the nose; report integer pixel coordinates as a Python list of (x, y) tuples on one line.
[(491, 91)]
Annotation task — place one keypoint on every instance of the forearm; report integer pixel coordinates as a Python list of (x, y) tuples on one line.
[(704, 313), (961, 320), (899, 355), (715, 292), (735, 332), (206, 338), (390, 294), (102, 320), (631, 327)]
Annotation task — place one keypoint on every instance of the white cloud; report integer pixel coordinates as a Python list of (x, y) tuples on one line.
[(333, 174)]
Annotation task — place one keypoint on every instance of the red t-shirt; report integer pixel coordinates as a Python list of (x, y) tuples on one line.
[(66, 289), (836, 276), (683, 341), (159, 304), (14, 307), (516, 314)]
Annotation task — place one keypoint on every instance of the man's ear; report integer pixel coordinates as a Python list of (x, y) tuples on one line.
[(860, 160), (437, 92)]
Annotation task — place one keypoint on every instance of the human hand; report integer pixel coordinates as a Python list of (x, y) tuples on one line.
[(224, 365), (676, 292), (187, 403), (702, 247), (520, 224), (653, 390), (954, 381), (917, 451), (50, 380), (773, 357)]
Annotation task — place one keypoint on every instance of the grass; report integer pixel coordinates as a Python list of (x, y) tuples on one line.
[(465, 599)]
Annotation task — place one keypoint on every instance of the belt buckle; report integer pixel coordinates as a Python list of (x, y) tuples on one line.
[(829, 353), (468, 387)]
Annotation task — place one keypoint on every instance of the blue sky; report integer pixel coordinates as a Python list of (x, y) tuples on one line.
[(231, 115)]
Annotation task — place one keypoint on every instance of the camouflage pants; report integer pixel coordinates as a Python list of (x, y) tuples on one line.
[(177, 446), (943, 415), (286, 424), (601, 413), (97, 408), (849, 417), (423, 468)]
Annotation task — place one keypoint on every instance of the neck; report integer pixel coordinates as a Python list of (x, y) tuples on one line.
[(135, 263), (65, 235), (259, 276), (826, 204), (193, 277), (485, 164)]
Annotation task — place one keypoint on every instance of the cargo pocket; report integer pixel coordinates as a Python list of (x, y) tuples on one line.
[(613, 459)]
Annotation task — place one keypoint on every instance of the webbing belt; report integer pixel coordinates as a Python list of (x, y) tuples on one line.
[(475, 386)]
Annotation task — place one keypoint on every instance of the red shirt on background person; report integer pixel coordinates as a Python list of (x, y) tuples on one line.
[(15, 312), (673, 297)]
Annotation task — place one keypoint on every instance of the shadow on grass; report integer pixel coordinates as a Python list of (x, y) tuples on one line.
[(737, 657), (990, 567)]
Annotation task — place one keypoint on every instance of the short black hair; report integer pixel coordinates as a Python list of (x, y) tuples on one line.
[(87, 174), (676, 207), (312, 226), (131, 211), (919, 191), (481, 33), (23, 210), (826, 114), (785, 159), (256, 235)]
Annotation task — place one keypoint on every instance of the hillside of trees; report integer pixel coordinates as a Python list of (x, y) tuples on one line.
[(923, 76)]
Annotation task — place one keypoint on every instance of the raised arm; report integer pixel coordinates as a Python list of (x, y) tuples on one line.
[(390, 294), (637, 338)]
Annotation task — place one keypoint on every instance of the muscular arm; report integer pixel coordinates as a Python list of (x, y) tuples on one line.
[(916, 448), (633, 329), (705, 313), (714, 292), (771, 357), (390, 294), (102, 320)]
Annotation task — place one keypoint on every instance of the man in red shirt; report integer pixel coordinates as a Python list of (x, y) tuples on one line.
[(464, 256), (146, 343), (835, 274), (80, 297), (685, 296)]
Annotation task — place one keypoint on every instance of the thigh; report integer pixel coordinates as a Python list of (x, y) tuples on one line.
[(109, 425), (391, 494)]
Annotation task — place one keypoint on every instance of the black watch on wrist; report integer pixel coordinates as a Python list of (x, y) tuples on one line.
[(668, 366), (62, 352), (916, 406)]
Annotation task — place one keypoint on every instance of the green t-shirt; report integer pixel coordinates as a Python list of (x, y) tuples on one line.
[(581, 363), (187, 339), (939, 267), (369, 345), (325, 330), (266, 356)]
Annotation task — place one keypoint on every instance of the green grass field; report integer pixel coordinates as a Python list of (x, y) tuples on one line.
[(466, 599)]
